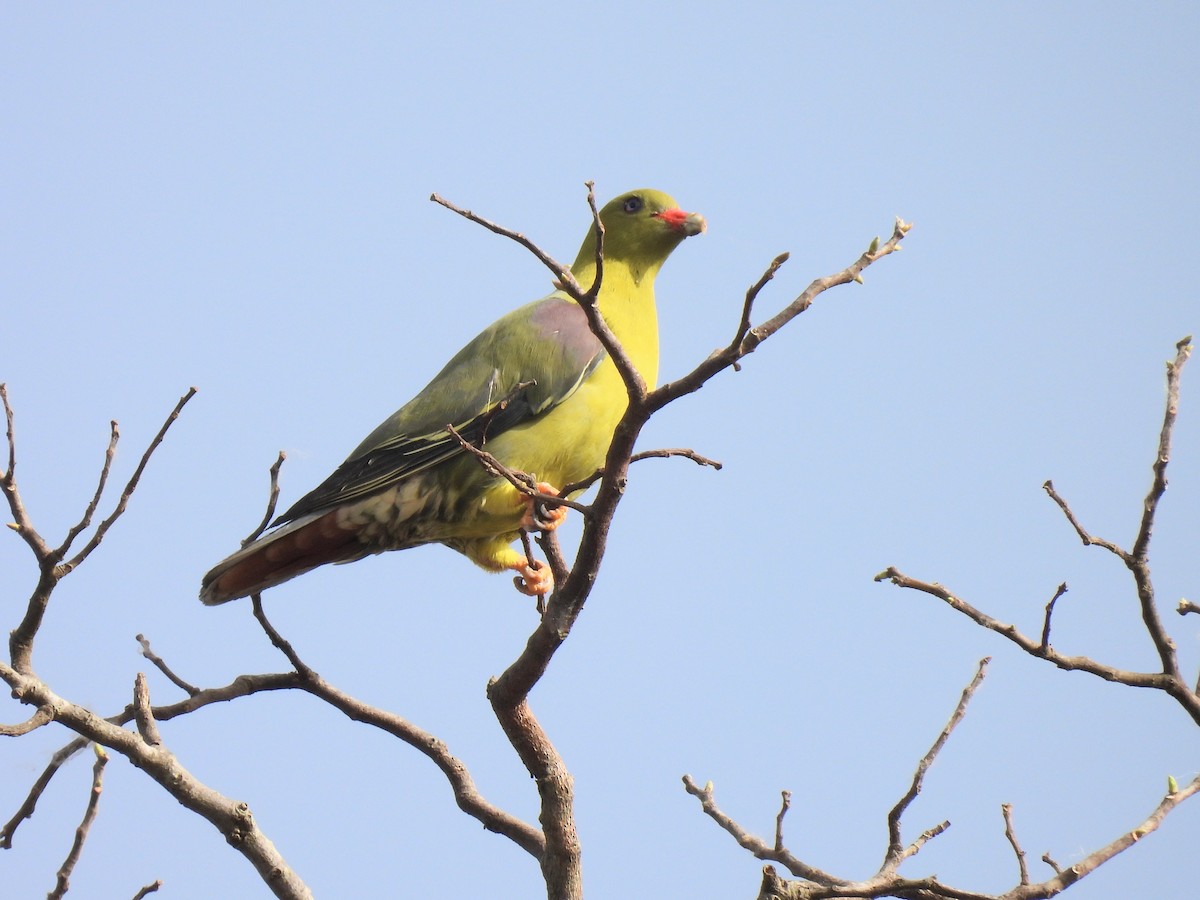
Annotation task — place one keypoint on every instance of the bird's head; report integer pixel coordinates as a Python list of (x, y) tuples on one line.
[(641, 228)]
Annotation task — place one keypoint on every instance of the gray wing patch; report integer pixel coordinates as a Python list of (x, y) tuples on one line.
[(504, 401)]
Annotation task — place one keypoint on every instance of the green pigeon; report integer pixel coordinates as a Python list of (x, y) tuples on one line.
[(535, 389)]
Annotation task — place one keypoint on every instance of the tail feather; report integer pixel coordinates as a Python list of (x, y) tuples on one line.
[(296, 548)]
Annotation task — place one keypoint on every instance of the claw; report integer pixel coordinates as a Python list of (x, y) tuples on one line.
[(537, 517), (534, 578)]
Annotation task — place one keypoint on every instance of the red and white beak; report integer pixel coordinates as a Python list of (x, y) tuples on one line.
[(688, 223)]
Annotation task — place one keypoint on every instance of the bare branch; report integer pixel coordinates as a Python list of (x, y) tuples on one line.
[(39, 787), (34, 722), (784, 806), (148, 889), (1186, 606), (277, 640), (755, 845), (677, 451), (242, 686), (1065, 878), (924, 838), (752, 293), (20, 639), (10, 470), (1011, 834), (466, 794), (561, 272), (726, 357), (598, 226), (86, 520), (1137, 560), (130, 487), (1158, 487), (89, 815), (1062, 589), (190, 689), (560, 851), (232, 818), (664, 453), (22, 524), (548, 541), (272, 500), (1155, 680), (895, 850), (1084, 536), (146, 725)]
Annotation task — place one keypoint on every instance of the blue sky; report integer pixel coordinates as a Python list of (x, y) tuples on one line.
[(235, 197)]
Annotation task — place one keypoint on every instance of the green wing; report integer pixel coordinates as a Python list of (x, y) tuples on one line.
[(517, 369)]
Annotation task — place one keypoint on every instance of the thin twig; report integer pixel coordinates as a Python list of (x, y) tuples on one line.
[(42, 717), (21, 638), (277, 640), (466, 794), (665, 453), (272, 500), (598, 226), (548, 541), (90, 510), (752, 293), (1084, 536), (1092, 861), (519, 480), (26, 809), (561, 272), (784, 806), (1141, 544), (726, 357), (143, 714), (895, 849), (1186, 606), (190, 689), (11, 470), (677, 451), (755, 845), (1169, 684), (232, 818), (22, 523), (924, 838), (89, 815), (242, 686), (130, 486), (1062, 589), (1011, 834), (148, 889), (1138, 559)]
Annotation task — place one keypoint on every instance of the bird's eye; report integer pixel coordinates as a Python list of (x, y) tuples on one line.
[(633, 204)]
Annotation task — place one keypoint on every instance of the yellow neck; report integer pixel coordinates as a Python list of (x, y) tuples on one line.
[(627, 303)]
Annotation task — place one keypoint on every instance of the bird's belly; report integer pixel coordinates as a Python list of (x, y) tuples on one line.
[(569, 442), (461, 500), (564, 445)]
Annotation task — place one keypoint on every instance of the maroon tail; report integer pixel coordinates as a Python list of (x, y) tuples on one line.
[(272, 560)]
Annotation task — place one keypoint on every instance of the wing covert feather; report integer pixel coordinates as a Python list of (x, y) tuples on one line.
[(517, 369)]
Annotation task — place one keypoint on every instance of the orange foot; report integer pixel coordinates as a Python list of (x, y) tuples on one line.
[(534, 578), (537, 517)]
